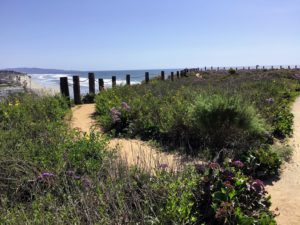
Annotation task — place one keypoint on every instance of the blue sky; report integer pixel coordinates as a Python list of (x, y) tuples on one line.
[(148, 34)]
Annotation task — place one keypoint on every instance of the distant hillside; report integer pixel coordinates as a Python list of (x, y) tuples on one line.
[(41, 71)]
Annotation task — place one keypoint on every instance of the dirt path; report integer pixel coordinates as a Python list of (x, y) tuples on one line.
[(285, 193), (134, 152)]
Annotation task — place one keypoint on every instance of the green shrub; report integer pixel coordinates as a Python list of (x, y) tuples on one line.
[(226, 196), (262, 163), (223, 122)]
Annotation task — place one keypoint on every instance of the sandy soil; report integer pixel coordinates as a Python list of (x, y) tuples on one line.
[(285, 193), (134, 152)]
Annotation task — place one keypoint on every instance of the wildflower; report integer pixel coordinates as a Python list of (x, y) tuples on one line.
[(228, 175), (258, 185), (115, 114), (238, 164), (72, 174), (10, 104), (163, 166), (125, 106), (46, 174), (270, 100), (17, 103)]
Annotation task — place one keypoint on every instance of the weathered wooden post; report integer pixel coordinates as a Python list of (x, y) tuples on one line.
[(172, 76), (162, 75), (177, 75), (64, 88), (205, 68), (91, 77), (101, 84), (128, 79), (114, 81), (76, 90), (147, 77)]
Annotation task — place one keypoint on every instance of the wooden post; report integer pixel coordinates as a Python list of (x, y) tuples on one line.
[(263, 67), (128, 79), (91, 83), (114, 81), (101, 84), (172, 76), (218, 68), (64, 88), (272, 67), (205, 68), (178, 75), (76, 90), (147, 77), (162, 75), (211, 68), (289, 67)]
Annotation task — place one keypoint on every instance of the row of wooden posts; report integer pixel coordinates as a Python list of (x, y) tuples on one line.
[(236, 68), (64, 85)]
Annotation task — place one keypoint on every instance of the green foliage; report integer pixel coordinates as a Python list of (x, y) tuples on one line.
[(88, 98), (226, 196), (263, 162), (232, 71)]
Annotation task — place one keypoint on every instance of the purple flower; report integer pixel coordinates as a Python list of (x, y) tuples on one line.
[(72, 174), (46, 174), (270, 100), (125, 106), (228, 175), (258, 185), (115, 114), (238, 164), (163, 166)]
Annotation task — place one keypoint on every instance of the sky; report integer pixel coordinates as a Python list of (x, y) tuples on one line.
[(148, 34)]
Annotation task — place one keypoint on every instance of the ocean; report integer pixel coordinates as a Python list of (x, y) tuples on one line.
[(51, 80)]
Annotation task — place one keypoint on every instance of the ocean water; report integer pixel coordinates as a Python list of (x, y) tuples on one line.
[(51, 81)]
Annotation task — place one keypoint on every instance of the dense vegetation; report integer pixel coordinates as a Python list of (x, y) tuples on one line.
[(50, 174), (221, 115)]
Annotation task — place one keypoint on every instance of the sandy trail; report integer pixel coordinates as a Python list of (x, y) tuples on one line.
[(134, 152), (285, 193)]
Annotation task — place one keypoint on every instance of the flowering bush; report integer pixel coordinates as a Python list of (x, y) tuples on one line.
[(226, 196)]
